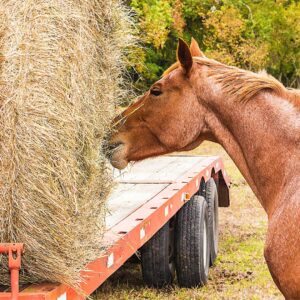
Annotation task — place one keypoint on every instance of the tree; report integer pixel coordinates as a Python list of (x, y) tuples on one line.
[(261, 34)]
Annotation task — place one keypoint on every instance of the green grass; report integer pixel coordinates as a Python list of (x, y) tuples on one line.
[(240, 271)]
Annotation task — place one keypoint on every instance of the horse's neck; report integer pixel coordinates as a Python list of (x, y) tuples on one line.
[(262, 137)]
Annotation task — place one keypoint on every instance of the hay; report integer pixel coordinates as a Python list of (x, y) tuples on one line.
[(61, 64)]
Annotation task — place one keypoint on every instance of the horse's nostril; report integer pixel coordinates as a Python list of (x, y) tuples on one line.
[(112, 147)]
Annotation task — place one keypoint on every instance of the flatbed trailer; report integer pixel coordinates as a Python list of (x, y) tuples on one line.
[(147, 196)]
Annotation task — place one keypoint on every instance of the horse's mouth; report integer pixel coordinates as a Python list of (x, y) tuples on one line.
[(116, 153)]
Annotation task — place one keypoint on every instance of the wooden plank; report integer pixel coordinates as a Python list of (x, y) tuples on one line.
[(165, 168), (134, 181), (140, 182), (127, 198)]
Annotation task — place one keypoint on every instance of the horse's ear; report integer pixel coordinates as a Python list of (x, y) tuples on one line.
[(195, 49), (184, 56)]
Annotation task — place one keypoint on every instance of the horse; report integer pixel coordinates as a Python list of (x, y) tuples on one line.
[(256, 120)]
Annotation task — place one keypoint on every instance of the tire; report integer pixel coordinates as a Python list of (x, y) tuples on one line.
[(157, 257), (211, 197), (135, 258), (192, 243)]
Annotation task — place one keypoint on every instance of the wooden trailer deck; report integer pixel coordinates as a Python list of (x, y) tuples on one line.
[(143, 181), (148, 194)]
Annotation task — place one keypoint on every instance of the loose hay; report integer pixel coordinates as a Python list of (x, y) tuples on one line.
[(61, 64)]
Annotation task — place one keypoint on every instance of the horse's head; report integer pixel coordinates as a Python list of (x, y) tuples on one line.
[(165, 119)]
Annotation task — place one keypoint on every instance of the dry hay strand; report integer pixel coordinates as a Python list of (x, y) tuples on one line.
[(61, 65)]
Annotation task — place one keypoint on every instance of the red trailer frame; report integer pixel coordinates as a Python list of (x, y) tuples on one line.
[(130, 234)]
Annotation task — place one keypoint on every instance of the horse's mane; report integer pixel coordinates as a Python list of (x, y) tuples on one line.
[(242, 85)]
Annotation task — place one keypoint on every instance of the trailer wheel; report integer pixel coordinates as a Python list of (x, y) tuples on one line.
[(211, 197), (157, 257), (192, 243)]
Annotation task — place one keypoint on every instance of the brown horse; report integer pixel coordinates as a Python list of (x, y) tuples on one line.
[(253, 116)]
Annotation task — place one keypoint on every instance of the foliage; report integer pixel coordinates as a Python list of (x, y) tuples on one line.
[(260, 34)]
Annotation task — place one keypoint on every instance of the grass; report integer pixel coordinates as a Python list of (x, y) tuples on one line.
[(240, 271)]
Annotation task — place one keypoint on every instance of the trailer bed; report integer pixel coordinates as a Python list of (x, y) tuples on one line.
[(148, 194), (143, 181)]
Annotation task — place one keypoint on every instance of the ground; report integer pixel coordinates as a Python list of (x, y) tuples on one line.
[(240, 271)]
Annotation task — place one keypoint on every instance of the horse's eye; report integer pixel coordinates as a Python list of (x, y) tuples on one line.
[(155, 91)]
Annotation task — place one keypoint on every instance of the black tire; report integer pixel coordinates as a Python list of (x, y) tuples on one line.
[(192, 244), (211, 197), (135, 258), (157, 257)]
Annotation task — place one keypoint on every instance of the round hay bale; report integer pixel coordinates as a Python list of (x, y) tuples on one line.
[(61, 65)]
